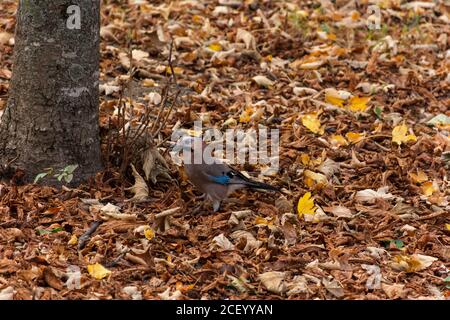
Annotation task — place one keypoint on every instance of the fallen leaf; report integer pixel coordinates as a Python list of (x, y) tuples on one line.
[(149, 233), (333, 287), (215, 47), (393, 291), (312, 122), (251, 242), (299, 284), (306, 205), (338, 140), (73, 240), (340, 212), (98, 271), (318, 178), (222, 242), (413, 263), (7, 293), (263, 81), (140, 188), (400, 134), (358, 103), (354, 137), (166, 295), (332, 96), (133, 292), (274, 281), (138, 55), (247, 38), (369, 195), (419, 177), (430, 187)]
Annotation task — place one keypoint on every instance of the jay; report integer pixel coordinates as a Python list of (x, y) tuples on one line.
[(215, 179)]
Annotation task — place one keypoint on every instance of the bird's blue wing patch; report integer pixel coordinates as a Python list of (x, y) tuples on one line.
[(220, 179)]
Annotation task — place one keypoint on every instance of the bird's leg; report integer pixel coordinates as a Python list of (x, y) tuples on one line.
[(216, 205), (201, 197), (201, 205)]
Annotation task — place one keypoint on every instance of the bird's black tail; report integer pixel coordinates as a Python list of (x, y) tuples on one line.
[(256, 184), (262, 186)]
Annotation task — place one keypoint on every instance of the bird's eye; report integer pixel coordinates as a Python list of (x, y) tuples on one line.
[(231, 174)]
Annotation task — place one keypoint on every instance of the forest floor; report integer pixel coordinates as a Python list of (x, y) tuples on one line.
[(364, 158)]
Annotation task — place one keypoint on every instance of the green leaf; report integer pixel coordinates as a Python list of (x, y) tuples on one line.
[(325, 28), (447, 279), (398, 243), (68, 178), (377, 110), (70, 169), (40, 176), (440, 119), (45, 231)]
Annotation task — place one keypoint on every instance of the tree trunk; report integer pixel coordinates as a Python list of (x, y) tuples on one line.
[(51, 118)]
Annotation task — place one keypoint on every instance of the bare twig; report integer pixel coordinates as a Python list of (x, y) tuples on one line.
[(167, 213), (87, 235)]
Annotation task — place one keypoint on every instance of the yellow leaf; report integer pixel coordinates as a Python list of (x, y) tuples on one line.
[(399, 134), (413, 263), (355, 15), (302, 13), (318, 178), (148, 83), (197, 19), (263, 221), (338, 140), (447, 226), (308, 63), (268, 58), (177, 70), (419, 177), (194, 133), (149, 233), (215, 47), (336, 101), (305, 159), (306, 205), (358, 103), (316, 162), (98, 271), (73, 240), (245, 116), (428, 188), (309, 182), (331, 36), (378, 128), (354, 137), (182, 287), (312, 122), (337, 51)]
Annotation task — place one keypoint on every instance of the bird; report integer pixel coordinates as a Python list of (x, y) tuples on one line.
[(217, 180)]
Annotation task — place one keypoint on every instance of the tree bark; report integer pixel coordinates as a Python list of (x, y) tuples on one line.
[(51, 118)]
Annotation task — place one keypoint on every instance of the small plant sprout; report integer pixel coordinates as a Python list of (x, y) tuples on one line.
[(66, 173), (48, 171)]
